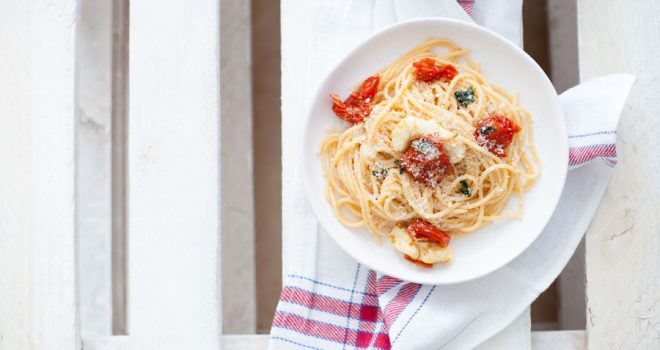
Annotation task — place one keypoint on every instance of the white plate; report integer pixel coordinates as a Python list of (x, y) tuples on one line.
[(503, 64)]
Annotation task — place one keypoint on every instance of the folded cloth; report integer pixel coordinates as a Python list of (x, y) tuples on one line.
[(329, 301)]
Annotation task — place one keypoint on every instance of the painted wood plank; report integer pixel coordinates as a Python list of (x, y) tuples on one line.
[(174, 175), (622, 243), (229, 342), (117, 342), (238, 260), (38, 111), (564, 340), (245, 342), (94, 167), (297, 23)]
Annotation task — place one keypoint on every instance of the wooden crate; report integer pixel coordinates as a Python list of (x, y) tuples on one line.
[(174, 147)]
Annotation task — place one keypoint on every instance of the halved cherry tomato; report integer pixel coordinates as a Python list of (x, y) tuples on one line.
[(495, 133), (426, 160), (369, 87), (422, 230), (428, 71), (357, 107), (417, 262)]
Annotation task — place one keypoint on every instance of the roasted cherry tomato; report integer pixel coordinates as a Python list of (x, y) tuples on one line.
[(422, 230), (495, 134), (428, 71), (417, 262), (426, 160), (357, 107), (369, 87)]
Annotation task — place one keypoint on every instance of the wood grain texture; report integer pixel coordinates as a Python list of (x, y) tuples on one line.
[(38, 111), (238, 260), (623, 242), (297, 21), (174, 173)]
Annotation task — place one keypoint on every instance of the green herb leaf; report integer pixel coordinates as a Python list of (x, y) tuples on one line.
[(465, 189), (379, 174), (485, 130), (465, 97), (399, 165)]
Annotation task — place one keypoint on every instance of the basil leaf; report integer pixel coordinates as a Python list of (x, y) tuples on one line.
[(379, 174), (465, 97), (465, 189), (486, 129), (399, 165)]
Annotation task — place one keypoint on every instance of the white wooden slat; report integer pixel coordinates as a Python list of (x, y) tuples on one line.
[(238, 240), (564, 340), (38, 93), (229, 342), (622, 244), (116, 342), (245, 342), (552, 340), (174, 175), (94, 180), (297, 21)]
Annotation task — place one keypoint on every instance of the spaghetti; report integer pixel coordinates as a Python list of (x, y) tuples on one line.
[(434, 150)]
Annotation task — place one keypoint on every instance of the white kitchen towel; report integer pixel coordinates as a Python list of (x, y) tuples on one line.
[(329, 301)]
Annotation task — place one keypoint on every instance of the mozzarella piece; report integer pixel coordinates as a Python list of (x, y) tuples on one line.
[(431, 253), (428, 252), (412, 127), (455, 149), (402, 242), (367, 151)]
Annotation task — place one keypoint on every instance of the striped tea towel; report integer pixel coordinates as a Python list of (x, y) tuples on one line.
[(329, 301)]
